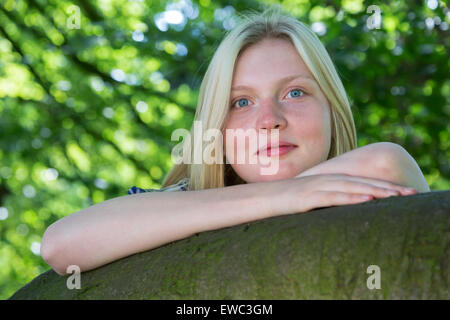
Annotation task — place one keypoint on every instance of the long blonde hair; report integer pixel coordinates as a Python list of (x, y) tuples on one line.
[(213, 102)]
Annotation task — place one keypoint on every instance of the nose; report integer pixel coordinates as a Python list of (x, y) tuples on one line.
[(271, 117)]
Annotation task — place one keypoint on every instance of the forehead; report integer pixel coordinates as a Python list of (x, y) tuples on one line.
[(280, 81), (270, 59)]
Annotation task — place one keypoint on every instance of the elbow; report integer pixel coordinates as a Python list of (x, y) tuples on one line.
[(393, 163), (385, 160), (50, 248)]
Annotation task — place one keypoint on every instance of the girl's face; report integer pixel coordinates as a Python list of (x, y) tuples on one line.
[(296, 107)]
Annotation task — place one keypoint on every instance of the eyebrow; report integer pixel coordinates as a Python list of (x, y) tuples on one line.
[(283, 80)]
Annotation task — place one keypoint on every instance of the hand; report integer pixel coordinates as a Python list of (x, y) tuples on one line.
[(302, 194)]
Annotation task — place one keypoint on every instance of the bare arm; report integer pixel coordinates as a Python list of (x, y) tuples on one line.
[(382, 160), (122, 226), (401, 167)]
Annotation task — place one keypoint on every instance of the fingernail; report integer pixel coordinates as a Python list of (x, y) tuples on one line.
[(391, 191)]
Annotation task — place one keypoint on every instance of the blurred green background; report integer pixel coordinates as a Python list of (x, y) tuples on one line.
[(88, 105)]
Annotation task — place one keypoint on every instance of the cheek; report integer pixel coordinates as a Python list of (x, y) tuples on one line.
[(232, 146), (313, 123), (232, 125), (311, 128), (229, 146)]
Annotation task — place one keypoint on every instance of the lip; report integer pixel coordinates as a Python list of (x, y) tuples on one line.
[(279, 149)]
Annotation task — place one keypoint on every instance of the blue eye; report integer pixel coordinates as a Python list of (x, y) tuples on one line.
[(299, 94), (237, 101)]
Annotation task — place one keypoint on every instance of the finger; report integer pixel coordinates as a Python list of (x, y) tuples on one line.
[(382, 184), (337, 198), (367, 188), (355, 185)]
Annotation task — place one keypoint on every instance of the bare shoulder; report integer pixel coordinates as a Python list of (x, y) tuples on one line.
[(385, 151), (368, 161), (381, 160), (384, 147), (390, 154), (396, 164)]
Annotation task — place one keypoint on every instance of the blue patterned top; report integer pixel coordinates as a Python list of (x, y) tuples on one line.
[(181, 185)]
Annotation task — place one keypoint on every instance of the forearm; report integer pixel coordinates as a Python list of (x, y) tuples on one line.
[(347, 163), (126, 225)]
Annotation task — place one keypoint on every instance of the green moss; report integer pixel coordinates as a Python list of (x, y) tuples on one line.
[(322, 254)]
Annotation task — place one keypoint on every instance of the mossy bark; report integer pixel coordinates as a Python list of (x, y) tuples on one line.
[(322, 254)]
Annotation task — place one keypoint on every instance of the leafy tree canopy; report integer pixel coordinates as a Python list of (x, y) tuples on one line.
[(91, 90)]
